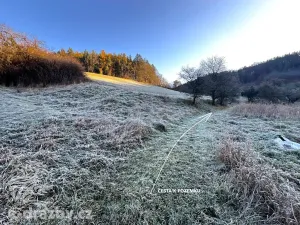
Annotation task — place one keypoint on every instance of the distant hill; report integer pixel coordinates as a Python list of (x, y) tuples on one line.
[(285, 68), (280, 70)]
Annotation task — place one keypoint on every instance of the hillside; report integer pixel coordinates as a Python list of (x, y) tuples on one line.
[(134, 86), (98, 147), (92, 132), (71, 140), (276, 80), (113, 79), (285, 68)]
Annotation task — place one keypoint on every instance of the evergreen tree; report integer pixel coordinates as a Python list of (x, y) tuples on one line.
[(70, 52)]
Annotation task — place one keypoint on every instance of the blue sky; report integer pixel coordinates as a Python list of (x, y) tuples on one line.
[(169, 33)]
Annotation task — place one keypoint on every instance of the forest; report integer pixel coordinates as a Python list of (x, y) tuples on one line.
[(25, 61), (119, 65), (284, 67)]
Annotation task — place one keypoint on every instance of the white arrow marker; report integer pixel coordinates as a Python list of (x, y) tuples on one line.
[(202, 118)]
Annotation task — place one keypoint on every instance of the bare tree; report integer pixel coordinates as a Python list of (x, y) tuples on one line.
[(212, 66), (192, 76), (176, 83)]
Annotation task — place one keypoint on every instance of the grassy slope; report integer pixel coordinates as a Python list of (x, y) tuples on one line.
[(112, 79), (99, 143), (134, 86), (68, 141), (192, 165), (257, 132)]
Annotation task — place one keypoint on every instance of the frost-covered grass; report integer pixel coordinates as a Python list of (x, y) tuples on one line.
[(259, 188), (276, 111), (62, 145), (262, 180), (99, 147)]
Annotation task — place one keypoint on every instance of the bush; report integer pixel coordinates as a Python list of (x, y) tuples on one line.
[(24, 62), (42, 71), (250, 93), (271, 93), (292, 93)]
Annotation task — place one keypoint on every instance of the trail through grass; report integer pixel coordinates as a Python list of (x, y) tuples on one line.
[(97, 147), (192, 165)]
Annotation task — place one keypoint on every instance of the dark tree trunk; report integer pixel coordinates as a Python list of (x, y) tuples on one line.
[(194, 100), (213, 97), (221, 101)]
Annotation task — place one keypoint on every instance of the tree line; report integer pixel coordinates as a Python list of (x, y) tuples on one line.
[(276, 80), (119, 65), (26, 61), (212, 79), (271, 92), (258, 72)]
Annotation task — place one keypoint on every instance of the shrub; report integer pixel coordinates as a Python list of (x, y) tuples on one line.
[(250, 93), (24, 62), (271, 93), (292, 93)]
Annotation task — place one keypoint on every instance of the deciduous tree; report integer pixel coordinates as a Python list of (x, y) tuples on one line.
[(192, 76), (212, 66), (176, 83)]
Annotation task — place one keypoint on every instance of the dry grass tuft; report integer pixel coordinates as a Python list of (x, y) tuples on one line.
[(267, 110), (115, 134), (259, 187)]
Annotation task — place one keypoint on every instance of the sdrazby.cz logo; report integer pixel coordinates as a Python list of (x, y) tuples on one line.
[(22, 195)]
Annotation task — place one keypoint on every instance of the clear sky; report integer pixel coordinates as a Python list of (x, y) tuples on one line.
[(169, 33)]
